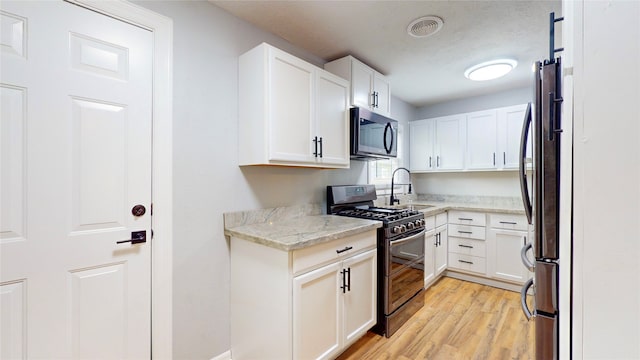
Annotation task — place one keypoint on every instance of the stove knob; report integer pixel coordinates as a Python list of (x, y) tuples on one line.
[(403, 228), (419, 222), (410, 226), (396, 230)]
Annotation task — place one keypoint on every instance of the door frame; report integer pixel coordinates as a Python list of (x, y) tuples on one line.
[(162, 174)]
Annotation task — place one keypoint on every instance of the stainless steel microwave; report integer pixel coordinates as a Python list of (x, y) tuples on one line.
[(373, 136)]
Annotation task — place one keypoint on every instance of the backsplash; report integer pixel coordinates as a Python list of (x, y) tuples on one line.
[(506, 201)]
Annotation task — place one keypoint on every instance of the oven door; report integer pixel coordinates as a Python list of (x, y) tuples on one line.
[(404, 270)]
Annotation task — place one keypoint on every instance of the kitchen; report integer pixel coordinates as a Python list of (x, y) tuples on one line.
[(208, 183)]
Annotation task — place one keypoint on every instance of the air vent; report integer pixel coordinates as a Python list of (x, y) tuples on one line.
[(425, 26)]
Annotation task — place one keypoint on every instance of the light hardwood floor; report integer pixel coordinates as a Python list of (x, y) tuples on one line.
[(460, 320)]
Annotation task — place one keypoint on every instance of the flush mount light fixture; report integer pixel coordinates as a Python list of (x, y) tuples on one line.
[(490, 70)]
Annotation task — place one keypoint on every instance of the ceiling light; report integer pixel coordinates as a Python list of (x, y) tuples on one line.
[(425, 26), (490, 70)]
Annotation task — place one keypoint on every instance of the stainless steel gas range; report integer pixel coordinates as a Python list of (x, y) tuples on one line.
[(401, 247)]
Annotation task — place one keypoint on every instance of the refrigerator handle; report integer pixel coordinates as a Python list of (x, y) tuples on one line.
[(525, 260), (524, 187), (523, 299)]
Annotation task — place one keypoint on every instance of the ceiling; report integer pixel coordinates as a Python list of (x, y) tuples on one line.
[(422, 71)]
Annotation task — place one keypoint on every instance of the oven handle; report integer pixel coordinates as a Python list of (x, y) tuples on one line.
[(412, 237)]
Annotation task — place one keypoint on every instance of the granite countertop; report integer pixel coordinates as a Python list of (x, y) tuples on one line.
[(439, 207), (293, 232), (297, 227)]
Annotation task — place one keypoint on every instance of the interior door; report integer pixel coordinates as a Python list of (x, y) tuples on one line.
[(76, 159)]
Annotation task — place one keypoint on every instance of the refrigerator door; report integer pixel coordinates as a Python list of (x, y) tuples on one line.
[(549, 151), (546, 337), (546, 287)]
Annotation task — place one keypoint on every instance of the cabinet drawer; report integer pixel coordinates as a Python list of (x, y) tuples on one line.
[(508, 221), (430, 222), (441, 219), (316, 255), (467, 247), (467, 218), (467, 262), (467, 232)]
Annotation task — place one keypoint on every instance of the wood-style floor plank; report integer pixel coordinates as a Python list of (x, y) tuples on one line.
[(460, 320)]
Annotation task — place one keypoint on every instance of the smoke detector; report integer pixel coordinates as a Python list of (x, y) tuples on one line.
[(425, 26)]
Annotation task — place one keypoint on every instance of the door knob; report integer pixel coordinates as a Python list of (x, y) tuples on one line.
[(137, 237), (138, 210)]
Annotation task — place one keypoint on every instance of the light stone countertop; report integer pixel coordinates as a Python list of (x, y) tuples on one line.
[(301, 231), (297, 227)]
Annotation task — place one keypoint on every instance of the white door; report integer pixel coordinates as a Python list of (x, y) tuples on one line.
[(361, 85), (332, 118), (317, 313), (360, 298), (449, 142), (510, 126), (382, 88), (429, 257), (291, 88), (76, 158), (441, 250), (482, 140), (421, 146)]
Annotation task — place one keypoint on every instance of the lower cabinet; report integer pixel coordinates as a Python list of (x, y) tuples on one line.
[(333, 306), (310, 303), (507, 235), (435, 249)]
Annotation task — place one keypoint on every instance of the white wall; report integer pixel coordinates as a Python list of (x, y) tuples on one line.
[(207, 179), (606, 244), (471, 183)]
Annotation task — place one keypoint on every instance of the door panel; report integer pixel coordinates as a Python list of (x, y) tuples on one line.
[(76, 157), (360, 301)]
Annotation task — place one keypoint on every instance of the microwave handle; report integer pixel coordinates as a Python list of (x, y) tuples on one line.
[(388, 128)]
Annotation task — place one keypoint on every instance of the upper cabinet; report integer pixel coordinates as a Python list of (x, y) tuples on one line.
[(291, 112), (437, 144), (369, 88), (482, 140)]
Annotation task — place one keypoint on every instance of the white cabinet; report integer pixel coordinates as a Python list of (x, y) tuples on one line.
[(333, 306), (482, 140), (467, 250), (506, 237), (369, 88), (435, 249), (309, 303), (437, 144), (510, 122), (291, 113)]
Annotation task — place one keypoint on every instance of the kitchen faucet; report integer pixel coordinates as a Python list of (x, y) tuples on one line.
[(393, 200)]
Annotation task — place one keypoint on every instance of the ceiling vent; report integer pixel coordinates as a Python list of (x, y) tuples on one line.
[(425, 26)]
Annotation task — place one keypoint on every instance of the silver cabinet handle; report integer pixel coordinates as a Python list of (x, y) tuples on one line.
[(465, 246), (508, 223), (523, 299), (465, 232), (465, 219), (466, 262)]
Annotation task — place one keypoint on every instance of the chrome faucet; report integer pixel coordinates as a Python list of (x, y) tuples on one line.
[(393, 200)]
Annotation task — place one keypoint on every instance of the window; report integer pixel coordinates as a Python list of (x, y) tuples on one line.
[(379, 171)]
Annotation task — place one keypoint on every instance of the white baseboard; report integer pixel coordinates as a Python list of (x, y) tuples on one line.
[(484, 281), (224, 356)]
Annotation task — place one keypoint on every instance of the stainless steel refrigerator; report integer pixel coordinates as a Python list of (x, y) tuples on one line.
[(543, 123)]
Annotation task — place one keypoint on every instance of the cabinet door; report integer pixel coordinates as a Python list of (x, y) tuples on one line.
[(317, 326), (441, 251), (482, 140), (421, 145), (361, 78), (332, 118), (429, 257), (360, 299), (504, 255), (450, 142), (510, 121), (291, 88), (382, 89)]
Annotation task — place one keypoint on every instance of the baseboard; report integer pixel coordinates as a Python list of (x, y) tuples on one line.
[(224, 356), (484, 281)]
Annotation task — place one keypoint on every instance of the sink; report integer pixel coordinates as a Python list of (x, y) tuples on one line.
[(414, 206)]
